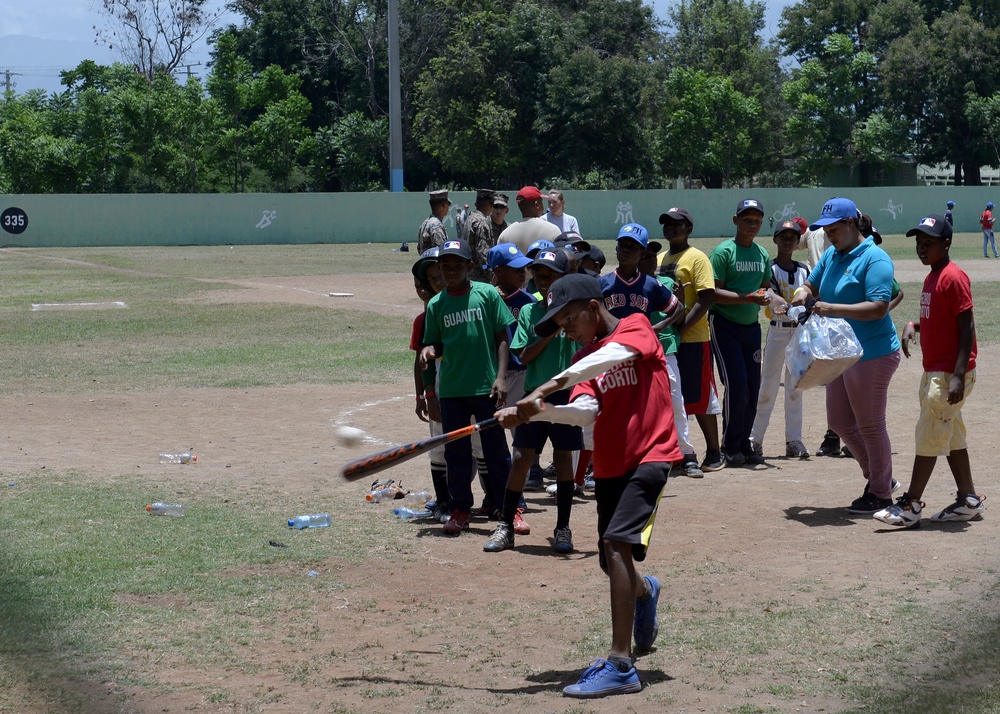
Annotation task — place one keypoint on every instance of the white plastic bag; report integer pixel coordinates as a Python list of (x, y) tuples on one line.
[(821, 350)]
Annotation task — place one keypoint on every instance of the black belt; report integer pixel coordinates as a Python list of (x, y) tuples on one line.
[(782, 323)]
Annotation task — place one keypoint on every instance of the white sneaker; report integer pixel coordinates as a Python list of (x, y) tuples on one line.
[(796, 449), (966, 508), (756, 449), (904, 512), (552, 488)]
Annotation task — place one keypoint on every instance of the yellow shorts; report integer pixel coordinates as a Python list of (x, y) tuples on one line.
[(940, 429)]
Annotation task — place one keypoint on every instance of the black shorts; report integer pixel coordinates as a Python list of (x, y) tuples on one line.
[(564, 437), (626, 508)]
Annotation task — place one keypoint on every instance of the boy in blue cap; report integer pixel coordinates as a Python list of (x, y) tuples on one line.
[(986, 221), (627, 290)]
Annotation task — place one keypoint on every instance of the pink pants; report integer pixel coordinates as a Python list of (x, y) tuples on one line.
[(855, 409)]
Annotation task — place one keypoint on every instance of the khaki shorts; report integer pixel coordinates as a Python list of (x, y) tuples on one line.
[(940, 429)]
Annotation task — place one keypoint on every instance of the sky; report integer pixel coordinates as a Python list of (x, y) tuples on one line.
[(39, 39)]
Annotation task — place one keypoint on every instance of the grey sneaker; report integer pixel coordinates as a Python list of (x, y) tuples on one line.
[(502, 539), (562, 540), (689, 467), (713, 461), (796, 449)]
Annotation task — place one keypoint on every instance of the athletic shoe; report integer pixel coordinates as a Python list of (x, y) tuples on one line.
[(904, 512), (894, 486), (846, 452), (646, 626), (562, 540), (689, 467), (713, 461), (965, 508), (534, 482), (602, 679), (869, 503), (578, 490), (752, 459), (830, 445), (588, 482), (796, 449), (442, 512), (552, 489), (501, 539), (521, 526), (734, 459), (757, 449), (457, 523), (549, 472)]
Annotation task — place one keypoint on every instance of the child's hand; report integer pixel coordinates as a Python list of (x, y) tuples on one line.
[(427, 355), (509, 418), (434, 409), (910, 335), (760, 297), (778, 305), (530, 406), (956, 389), (421, 409), (499, 391)]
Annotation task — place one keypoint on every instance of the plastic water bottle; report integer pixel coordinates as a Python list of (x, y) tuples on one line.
[(794, 313), (409, 513), (165, 509), (416, 501), (313, 520), (383, 494), (184, 458)]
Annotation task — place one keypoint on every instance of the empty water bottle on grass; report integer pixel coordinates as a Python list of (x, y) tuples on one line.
[(412, 512), (417, 501), (183, 458), (312, 520), (382, 494), (165, 509)]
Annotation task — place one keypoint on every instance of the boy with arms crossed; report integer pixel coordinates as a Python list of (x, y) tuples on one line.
[(620, 383), (948, 341)]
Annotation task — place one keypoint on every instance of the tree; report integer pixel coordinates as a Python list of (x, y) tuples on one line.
[(155, 35), (707, 130)]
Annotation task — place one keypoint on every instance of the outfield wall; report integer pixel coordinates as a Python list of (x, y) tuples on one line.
[(267, 218)]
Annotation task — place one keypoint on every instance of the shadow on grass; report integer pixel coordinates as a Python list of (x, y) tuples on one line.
[(33, 645)]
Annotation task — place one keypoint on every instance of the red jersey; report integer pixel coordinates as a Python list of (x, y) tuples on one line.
[(417, 333), (636, 422), (986, 220), (946, 293)]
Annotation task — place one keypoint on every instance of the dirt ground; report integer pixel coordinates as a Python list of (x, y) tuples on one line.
[(488, 630)]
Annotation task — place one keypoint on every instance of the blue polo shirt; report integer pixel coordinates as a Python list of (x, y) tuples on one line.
[(862, 274)]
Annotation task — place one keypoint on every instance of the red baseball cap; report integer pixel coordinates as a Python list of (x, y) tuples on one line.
[(528, 193)]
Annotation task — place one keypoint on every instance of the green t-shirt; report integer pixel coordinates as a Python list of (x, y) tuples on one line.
[(669, 337), (741, 270), (553, 359), (465, 326)]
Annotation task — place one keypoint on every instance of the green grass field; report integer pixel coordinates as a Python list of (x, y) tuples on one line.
[(82, 579)]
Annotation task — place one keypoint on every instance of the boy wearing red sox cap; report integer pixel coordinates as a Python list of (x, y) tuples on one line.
[(620, 383)]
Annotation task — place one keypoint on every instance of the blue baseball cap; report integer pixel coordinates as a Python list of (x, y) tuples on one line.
[(506, 254), (990, 204), (635, 232), (539, 245), (951, 204), (836, 209)]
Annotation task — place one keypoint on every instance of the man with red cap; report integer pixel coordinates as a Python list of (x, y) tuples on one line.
[(532, 226)]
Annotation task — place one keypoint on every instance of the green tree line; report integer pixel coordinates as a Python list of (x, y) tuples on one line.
[(569, 93)]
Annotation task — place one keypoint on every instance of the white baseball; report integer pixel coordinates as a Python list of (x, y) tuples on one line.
[(349, 436)]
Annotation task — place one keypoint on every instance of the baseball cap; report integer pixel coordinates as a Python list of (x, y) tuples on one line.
[(677, 214), (572, 238), (788, 226), (951, 204), (539, 245), (932, 225), (635, 232), (990, 204), (596, 255), (506, 254), (749, 204), (654, 246), (528, 193), (500, 200), (836, 209), (802, 223), (429, 256), (575, 286), (552, 258), (456, 247)]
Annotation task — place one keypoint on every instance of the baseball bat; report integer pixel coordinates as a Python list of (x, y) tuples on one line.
[(373, 463)]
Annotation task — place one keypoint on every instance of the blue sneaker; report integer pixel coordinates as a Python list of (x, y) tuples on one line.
[(602, 679), (646, 627)]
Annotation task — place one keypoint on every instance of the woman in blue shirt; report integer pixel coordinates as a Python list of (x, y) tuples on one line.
[(853, 280)]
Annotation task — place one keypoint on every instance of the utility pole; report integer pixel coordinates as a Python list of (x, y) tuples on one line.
[(188, 67), (8, 83), (395, 100)]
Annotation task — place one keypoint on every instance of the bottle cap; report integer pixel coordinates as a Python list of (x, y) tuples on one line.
[(149, 507), (194, 458), (291, 522)]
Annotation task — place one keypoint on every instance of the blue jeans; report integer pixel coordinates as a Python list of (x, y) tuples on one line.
[(458, 412), (989, 239), (738, 355)]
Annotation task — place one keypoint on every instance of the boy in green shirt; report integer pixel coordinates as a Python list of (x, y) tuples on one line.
[(466, 329), (742, 274)]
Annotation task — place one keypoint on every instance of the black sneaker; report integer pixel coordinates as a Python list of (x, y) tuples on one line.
[(830, 445), (753, 459), (734, 458), (869, 503), (713, 461)]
